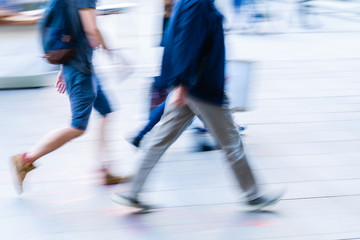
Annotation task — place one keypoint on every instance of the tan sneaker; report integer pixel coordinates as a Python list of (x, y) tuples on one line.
[(21, 168), (110, 179)]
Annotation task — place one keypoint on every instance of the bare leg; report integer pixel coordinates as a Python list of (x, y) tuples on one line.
[(103, 157), (105, 163), (53, 141)]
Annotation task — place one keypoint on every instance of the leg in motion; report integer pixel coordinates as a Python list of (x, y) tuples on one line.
[(173, 122), (102, 105), (221, 124)]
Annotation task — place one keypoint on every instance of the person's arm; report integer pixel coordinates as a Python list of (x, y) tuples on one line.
[(88, 20), (168, 8), (60, 83)]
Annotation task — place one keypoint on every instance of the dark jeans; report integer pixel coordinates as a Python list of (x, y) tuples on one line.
[(154, 118)]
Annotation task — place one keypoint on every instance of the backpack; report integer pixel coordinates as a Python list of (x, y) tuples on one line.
[(56, 33)]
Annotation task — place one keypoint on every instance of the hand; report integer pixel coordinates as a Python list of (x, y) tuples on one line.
[(93, 42), (179, 98), (60, 83)]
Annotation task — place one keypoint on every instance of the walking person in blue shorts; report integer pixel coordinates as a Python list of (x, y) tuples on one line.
[(78, 79)]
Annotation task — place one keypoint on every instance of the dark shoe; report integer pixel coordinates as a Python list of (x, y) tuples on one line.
[(206, 148), (131, 202), (200, 130), (263, 201), (136, 141), (21, 169), (241, 128), (204, 130), (110, 179)]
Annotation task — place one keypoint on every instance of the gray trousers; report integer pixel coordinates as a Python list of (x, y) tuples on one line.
[(172, 124)]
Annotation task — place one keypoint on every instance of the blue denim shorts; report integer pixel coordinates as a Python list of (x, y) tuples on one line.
[(84, 93)]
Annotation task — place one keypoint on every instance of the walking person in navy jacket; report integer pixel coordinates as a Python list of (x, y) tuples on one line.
[(193, 66)]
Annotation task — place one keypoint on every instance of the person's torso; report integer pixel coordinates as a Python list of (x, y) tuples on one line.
[(82, 59), (204, 74)]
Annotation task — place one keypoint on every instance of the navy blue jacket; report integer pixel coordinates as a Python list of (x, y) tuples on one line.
[(194, 52)]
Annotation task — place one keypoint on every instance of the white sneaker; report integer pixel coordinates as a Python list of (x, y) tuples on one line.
[(263, 201), (131, 202)]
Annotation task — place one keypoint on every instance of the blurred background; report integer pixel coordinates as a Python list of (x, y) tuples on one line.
[(293, 70)]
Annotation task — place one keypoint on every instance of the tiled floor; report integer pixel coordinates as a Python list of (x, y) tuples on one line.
[(302, 135)]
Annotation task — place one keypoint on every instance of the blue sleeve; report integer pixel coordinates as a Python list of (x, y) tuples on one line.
[(189, 38), (85, 3)]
